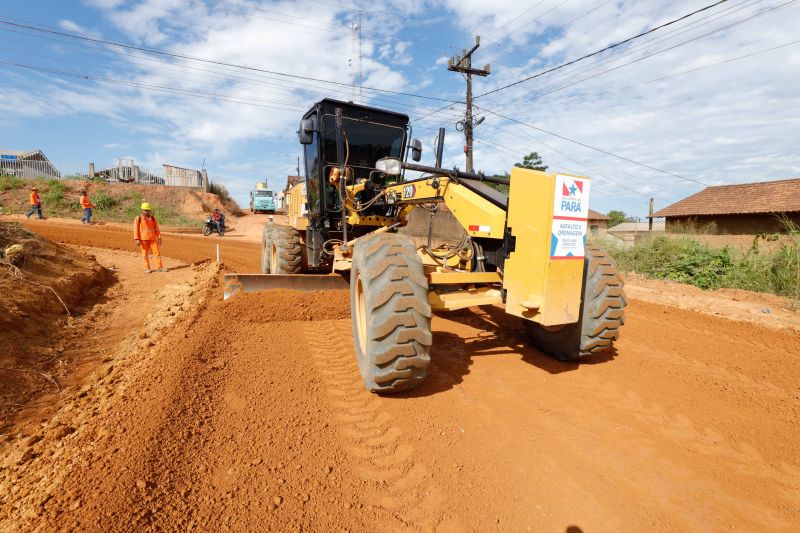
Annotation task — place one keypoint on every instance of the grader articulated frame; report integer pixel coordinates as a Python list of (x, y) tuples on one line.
[(525, 252)]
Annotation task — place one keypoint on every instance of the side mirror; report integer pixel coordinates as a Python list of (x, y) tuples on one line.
[(306, 131), (416, 149)]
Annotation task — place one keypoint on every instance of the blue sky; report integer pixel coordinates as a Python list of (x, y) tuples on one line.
[(712, 99)]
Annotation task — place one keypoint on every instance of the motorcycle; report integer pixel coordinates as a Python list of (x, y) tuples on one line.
[(210, 226)]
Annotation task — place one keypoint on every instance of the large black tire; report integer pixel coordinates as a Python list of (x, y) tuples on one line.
[(391, 314), (281, 250), (601, 316), (206, 230)]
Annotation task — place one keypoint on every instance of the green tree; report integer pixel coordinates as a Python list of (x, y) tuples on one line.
[(617, 217), (532, 161)]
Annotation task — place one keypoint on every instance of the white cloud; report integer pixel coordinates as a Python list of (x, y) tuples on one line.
[(74, 27), (734, 122)]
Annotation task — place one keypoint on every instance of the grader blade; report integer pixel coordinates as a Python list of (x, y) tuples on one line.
[(297, 282)]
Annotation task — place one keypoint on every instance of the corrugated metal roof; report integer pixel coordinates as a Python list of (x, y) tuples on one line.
[(18, 153), (781, 196)]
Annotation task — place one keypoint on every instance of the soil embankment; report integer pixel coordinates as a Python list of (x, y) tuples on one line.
[(42, 286)]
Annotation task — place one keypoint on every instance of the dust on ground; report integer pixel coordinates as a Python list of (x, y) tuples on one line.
[(761, 308), (225, 415)]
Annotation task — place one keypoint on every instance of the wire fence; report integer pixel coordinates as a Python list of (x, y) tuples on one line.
[(125, 171)]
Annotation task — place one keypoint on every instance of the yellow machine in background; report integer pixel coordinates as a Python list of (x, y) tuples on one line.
[(525, 252)]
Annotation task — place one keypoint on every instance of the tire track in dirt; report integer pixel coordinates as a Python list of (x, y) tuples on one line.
[(403, 483)]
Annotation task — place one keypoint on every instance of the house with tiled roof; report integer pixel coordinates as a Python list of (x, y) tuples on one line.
[(743, 209), (598, 224)]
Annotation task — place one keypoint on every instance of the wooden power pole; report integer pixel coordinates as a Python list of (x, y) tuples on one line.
[(463, 64)]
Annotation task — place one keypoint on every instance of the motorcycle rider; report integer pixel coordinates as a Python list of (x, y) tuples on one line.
[(219, 220)]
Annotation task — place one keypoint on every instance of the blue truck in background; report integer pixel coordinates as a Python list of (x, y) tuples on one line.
[(262, 200)]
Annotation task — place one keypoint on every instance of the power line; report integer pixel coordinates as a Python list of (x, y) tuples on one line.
[(592, 54), (651, 54), (596, 149), (534, 76), (277, 83), (160, 88), (729, 60), (667, 49), (614, 56), (205, 60), (503, 25)]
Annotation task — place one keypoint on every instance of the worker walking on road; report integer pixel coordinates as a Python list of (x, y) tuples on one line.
[(36, 203), (87, 206), (148, 237)]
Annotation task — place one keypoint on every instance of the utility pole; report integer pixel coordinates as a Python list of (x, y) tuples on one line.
[(463, 64), (650, 225)]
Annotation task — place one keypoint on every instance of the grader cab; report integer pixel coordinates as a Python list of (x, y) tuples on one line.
[(525, 252)]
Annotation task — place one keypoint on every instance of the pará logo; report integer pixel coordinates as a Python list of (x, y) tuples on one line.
[(570, 196)]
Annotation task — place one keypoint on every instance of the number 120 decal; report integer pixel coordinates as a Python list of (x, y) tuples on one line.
[(409, 191)]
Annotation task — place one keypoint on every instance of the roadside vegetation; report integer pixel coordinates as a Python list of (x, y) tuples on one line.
[(225, 197), (687, 260), (8, 183), (112, 202)]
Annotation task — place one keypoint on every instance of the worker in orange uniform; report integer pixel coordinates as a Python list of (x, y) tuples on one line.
[(148, 237), (36, 203), (87, 206)]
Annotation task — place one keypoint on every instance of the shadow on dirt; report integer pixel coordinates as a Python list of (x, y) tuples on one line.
[(497, 334)]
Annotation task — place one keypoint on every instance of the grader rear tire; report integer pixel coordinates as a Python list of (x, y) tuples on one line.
[(601, 316), (281, 250), (391, 314)]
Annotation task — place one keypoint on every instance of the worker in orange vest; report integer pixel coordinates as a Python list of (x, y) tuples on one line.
[(148, 237), (36, 203), (87, 206)]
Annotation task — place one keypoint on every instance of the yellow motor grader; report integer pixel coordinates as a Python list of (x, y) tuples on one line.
[(525, 252)]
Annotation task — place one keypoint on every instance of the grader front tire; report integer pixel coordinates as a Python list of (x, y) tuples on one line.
[(281, 250), (601, 316), (391, 314)]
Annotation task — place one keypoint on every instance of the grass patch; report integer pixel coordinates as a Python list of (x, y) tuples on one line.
[(164, 216), (687, 260), (55, 193), (8, 183), (104, 202)]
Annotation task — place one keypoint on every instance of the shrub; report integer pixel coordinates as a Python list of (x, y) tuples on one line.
[(225, 198), (687, 260), (8, 183), (55, 193), (104, 202)]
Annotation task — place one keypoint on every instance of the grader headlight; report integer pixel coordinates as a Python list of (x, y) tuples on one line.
[(389, 166)]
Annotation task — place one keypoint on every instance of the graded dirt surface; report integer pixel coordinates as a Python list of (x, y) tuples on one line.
[(237, 254), (249, 415)]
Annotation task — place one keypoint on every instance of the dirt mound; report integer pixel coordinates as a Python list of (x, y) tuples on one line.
[(114, 202), (202, 422), (285, 305), (37, 299)]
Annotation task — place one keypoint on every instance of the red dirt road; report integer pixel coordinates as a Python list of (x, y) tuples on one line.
[(239, 255), (248, 415)]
